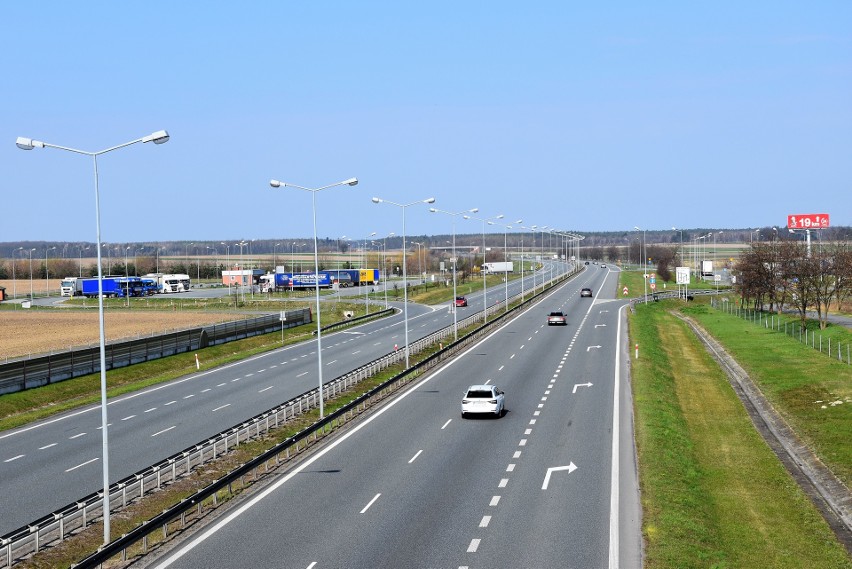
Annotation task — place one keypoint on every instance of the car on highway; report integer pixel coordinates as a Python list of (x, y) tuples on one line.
[(556, 319), (603, 266), (483, 399), (586, 292), (461, 301)]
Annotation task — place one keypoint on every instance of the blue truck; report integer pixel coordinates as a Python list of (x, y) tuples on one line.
[(112, 287)]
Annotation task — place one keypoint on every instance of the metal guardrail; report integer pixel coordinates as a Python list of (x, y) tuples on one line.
[(22, 374), (55, 527)]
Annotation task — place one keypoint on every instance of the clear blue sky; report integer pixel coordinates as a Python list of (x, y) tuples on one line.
[(657, 114)]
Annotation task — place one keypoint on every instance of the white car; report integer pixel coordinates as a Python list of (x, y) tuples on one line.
[(488, 399)]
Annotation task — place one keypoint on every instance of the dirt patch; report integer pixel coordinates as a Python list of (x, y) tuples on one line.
[(25, 333)]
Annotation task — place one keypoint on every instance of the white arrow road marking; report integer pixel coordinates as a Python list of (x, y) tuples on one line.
[(576, 385), (570, 468), (590, 347)]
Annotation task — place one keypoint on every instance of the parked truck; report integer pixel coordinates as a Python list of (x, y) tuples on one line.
[(291, 281), (68, 287), (498, 267), (169, 283), (111, 287)]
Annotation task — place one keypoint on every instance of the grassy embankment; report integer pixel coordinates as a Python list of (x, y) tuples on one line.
[(713, 493)]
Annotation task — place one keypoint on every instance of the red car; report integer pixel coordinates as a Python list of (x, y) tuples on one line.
[(461, 301)]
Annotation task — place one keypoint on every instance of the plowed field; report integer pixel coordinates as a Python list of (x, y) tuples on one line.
[(37, 332)]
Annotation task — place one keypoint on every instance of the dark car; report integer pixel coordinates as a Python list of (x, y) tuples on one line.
[(586, 292), (461, 301), (556, 319)]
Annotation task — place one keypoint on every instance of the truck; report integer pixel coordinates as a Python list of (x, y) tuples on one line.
[(110, 285), (68, 287), (167, 283), (290, 281), (498, 267), (340, 277)]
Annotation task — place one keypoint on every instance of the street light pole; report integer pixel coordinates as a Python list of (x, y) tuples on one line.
[(404, 263), (455, 262), (158, 137), (313, 192), (363, 266), (47, 272), (482, 267), (644, 263)]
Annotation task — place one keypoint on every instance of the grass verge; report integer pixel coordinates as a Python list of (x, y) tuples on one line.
[(713, 493)]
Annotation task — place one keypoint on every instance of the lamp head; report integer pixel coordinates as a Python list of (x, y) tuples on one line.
[(351, 182), (28, 143), (520, 221), (377, 200), (159, 137), (275, 183), (474, 210), (635, 228), (499, 216), (429, 200), (433, 210)]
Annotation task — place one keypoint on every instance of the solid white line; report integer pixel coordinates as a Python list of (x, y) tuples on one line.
[(413, 458), (47, 446), (447, 423), (485, 521), (474, 545), (367, 507), (614, 473), (16, 458), (80, 465), (78, 435), (164, 431), (222, 407)]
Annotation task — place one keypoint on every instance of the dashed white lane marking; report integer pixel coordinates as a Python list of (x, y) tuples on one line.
[(527, 431), (190, 395), (510, 468), (222, 407), (16, 458), (500, 368), (536, 413), (303, 373), (82, 465), (169, 403), (523, 443), (233, 380), (265, 389), (445, 424), (128, 417), (370, 503), (77, 436), (312, 565), (356, 352), (331, 362), (503, 482), (47, 446), (221, 384), (494, 501), (413, 458), (474, 545), (517, 454), (512, 356), (485, 521), (164, 431), (248, 375), (151, 409), (205, 390)]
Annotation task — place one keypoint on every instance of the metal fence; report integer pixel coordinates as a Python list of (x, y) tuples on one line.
[(25, 374), (60, 524), (789, 327)]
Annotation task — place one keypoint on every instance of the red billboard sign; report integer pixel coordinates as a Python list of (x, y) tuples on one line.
[(807, 221)]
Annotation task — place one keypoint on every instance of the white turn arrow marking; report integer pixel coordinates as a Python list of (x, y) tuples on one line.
[(576, 385), (587, 349), (570, 468)]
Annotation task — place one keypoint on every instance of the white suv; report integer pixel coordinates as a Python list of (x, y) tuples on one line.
[(488, 399)]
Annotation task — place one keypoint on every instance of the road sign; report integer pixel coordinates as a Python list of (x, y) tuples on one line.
[(653, 286), (807, 221), (682, 275), (625, 291)]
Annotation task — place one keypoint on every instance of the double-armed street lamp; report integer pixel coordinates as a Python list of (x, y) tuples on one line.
[(313, 192), (644, 263), (506, 228), (482, 267), (159, 137), (454, 261), (404, 263)]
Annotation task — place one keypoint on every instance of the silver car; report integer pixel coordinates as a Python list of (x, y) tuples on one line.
[(484, 399)]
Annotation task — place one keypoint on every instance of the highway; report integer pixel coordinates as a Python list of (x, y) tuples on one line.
[(415, 485), (47, 465)]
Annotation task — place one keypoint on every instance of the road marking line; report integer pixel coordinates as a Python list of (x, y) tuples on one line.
[(47, 446), (445, 424), (523, 443), (128, 417), (532, 421), (500, 368), (303, 373), (494, 500), (248, 375), (221, 384), (474, 545), (510, 468), (522, 346), (517, 454), (16, 458), (205, 390), (265, 389), (81, 465), (536, 413), (544, 398), (367, 507), (222, 407), (512, 356), (190, 395), (527, 431), (311, 566), (485, 521), (540, 405), (164, 431), (78, 435), (169, 403), (413, 458), (356, 352), (503, 482), (547, 392), (331, 362)]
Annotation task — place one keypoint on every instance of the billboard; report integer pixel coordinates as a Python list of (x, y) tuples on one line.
[(682, 275), (807, 221)]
